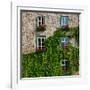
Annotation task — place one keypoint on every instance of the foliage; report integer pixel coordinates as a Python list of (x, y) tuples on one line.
[(41, 28), (48, 63)]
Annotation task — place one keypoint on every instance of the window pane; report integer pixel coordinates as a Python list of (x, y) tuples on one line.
[(62, 39), (43, 44), (67, 20), (39, 23), (42, 40), (64, 20), (62, 62), (66, 39), (39, 42), (39, 18), (67, 63), (43, 20)]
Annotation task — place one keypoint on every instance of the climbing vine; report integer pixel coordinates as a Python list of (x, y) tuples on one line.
[(48, 63)]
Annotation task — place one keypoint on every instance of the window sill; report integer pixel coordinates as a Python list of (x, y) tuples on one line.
[(66, 27), (41, 28), (41, 50)]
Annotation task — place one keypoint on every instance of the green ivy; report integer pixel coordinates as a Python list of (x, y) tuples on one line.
[(48, 63)]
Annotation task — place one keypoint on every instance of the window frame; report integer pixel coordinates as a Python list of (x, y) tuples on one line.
[(63, 24), (64, 65), (37, 43), (41, 20), (65, 41)]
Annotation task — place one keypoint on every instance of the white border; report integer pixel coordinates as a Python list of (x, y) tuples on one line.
[(50, 81)]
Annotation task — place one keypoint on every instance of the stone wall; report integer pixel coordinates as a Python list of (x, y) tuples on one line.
[(52, 21)]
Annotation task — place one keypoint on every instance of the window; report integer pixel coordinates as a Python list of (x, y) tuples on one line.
[(64, 21), (64, 42), (40, 23), (40, 43), (65, 64)]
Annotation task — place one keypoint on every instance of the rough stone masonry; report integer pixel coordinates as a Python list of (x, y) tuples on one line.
[(52, 21)]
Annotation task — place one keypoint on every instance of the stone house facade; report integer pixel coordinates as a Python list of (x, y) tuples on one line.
[(49, 21)]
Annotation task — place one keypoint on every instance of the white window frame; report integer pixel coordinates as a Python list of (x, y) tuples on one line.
[(16, 81), (41, 20), (37, 43)]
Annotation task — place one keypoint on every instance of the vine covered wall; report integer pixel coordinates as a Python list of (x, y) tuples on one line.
[(48, 63)]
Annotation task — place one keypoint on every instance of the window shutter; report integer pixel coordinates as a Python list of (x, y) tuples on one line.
[(67, 20), (62, 20), (37, 21)]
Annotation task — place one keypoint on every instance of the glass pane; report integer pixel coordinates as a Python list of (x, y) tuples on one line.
[(39, 42), (39, 23), (66, 39), (42, 40), (62, 39), (62, 21), (63, 62), (39, 18), (67, 63), (43, 20), (65, 20), (43, 44)]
